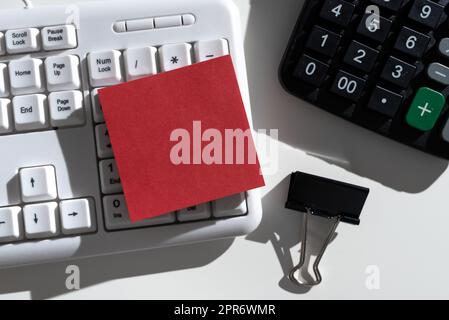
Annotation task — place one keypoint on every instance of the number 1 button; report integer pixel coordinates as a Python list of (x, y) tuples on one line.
[(425, 109)]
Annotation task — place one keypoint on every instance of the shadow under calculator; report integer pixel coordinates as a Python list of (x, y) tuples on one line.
[(315, 131)]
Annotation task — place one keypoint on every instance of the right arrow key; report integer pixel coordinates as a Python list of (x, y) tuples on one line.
[(76, 216)]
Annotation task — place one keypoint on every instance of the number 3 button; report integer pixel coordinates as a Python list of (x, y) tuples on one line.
[(398, 72)]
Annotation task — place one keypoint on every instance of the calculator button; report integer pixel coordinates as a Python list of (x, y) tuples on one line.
[(439, 73), (374, 27), (230, 206), (66, 108), (385, 102), (195, 213), (425, 109), (445, 133), (394, 5), (337, 11), (411, 42), (443, 47), (10, 220), (323, 41), (25, 76), (30, 112), (426, 12), (5, 116), (360, 56), (104, 147), (22, 40), (398, 72), (4, 90), (76, 216), (38, 184), (348, 86), (110, 180), (311, 71), (62, 73), (41, 220), (59, 37), (104, 68)]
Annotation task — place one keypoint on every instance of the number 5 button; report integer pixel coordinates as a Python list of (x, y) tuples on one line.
[(425, 109)]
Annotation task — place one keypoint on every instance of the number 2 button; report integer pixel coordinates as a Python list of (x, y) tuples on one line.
[(360, 56)]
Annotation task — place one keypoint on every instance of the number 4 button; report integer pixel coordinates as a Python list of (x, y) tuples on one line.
[(337, 11)]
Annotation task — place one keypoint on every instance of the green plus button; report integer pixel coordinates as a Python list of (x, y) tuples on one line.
[(425, 109)]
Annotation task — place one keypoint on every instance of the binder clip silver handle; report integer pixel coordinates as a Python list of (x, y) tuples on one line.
[(302, 260)]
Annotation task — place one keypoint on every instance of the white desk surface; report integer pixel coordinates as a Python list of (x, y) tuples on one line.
[(404, 230)]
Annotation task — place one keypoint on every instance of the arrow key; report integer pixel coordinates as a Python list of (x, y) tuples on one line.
[(38, 184), (40, 220), (76, 216)]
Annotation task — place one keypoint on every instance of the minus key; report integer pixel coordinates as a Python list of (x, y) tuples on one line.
[(439, 73)]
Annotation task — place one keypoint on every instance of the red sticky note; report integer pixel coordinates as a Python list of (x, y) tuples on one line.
[(165, 131)]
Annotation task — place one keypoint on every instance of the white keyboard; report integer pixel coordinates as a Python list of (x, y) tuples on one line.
[(60, 194)]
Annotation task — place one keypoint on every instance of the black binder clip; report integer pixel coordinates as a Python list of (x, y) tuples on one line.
[(334, 200)]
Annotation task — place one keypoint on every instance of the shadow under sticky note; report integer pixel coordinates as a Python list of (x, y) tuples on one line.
[(181, 138)]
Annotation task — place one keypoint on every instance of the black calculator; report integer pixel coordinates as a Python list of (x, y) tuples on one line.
[(382, 64)]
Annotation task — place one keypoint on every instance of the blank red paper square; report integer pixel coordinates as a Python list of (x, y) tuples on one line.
[(181, 138)]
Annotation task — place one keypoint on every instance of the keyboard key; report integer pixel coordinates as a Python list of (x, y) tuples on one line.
[(311, 71), (174, 56), (348, 86), (104, 147), (30, 112), (138, 24), (445, 133), (63, 73), (385, 102), (196, 213), (66, 108), (398, 72), (76, 216), (59, 37), (230, 206), (394, 5), (109, 177), (25, 76), (168, 22), (337, 11), (104, 68), (323, 41), (4, 91), (443, 47), (210, 49), (38, 184), (412, 43), (117, 217), (96, 106), (2, 44), (40, 220), (360, 56), (5, 116), (374, 27), (426, 12), (439, 73), (10, 224), (425, 109), (140, 62), (22, 40)]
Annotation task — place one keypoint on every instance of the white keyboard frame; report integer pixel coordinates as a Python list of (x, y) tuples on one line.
[(72, 151)]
